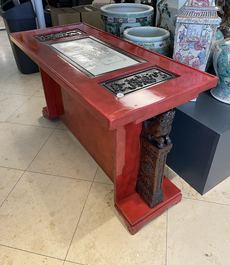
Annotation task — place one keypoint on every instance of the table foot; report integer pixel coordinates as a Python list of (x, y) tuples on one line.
[(136, 213), (47, 115)]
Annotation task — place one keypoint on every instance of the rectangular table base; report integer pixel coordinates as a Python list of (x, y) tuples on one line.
[(136, 212)]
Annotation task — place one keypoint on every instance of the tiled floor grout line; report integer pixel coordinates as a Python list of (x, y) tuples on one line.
[(223, 204), (52, 132), (7, 196), (24, 171), (76, 263), (19, 169), (29, 98), (31, 252), (71, 241), (54, 175), (73, 262), (30, 125), (102, 183), (59, 176)]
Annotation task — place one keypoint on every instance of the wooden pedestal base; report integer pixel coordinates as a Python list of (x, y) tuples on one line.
[(137, 213)]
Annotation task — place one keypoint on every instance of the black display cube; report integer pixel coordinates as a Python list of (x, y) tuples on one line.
[(201, 142)]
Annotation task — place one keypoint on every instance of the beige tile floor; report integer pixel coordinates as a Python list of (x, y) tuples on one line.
[(56, 204)]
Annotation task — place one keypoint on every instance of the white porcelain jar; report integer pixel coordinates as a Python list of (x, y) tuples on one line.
[(118, 17), (151, 38)]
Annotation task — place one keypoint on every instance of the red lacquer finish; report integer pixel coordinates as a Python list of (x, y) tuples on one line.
[(108, 127), (52, 91), (136, 213)]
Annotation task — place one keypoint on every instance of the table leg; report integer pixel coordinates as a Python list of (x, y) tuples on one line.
[(54, 108), (150, 143)]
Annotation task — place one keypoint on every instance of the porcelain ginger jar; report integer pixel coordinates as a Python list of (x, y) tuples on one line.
[(118, 17), (221, 63), (196, 26), (219, 37), (151, 38)]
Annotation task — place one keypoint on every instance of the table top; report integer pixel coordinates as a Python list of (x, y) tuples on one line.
[(112, 111)]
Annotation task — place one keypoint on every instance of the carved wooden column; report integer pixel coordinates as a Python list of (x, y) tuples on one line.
[(155, 145)]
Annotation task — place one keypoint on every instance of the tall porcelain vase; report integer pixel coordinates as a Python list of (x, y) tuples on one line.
[(221, 62), (196, 26)]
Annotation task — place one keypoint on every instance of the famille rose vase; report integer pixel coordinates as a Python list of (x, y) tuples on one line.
[(196, 26), (118, 17), (151, 38), (221, 63)]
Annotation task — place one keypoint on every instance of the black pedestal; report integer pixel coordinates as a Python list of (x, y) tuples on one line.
[(201, 142)]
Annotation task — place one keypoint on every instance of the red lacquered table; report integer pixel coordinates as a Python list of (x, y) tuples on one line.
[(110, 127)]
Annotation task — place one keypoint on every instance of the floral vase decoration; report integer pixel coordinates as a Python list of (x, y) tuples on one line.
[(196, 26), (221, 63)]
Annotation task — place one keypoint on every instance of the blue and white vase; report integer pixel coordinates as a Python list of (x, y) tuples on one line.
[(118, 17), (221, 63)]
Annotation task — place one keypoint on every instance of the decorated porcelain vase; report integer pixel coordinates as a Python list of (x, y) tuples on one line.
[(221, 62), (118, 17), (196, 26), (151, 38), (219, 37)]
